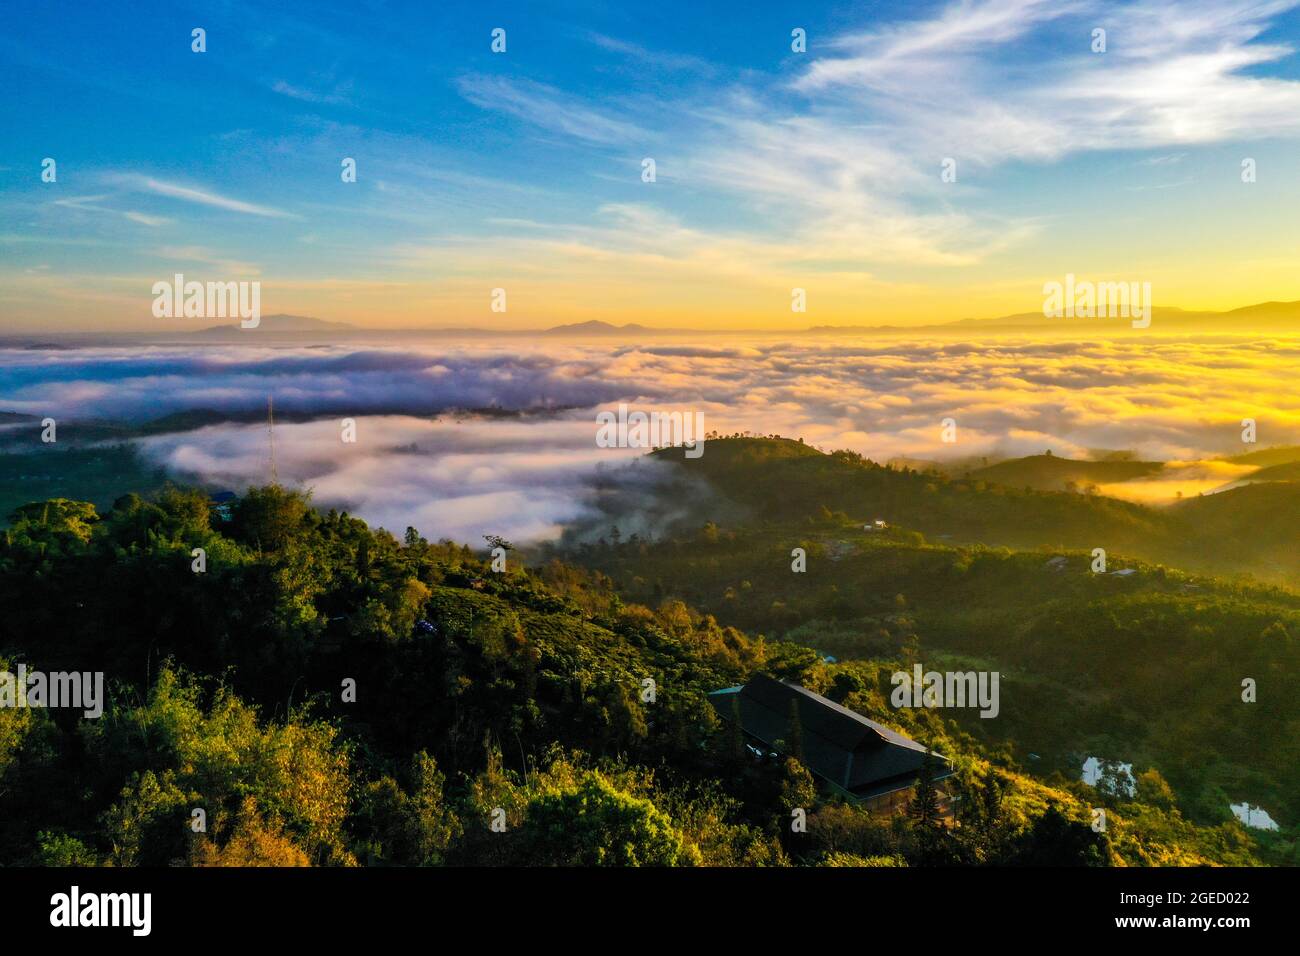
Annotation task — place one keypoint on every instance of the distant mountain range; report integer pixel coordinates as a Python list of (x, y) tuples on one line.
[(1261, 317), (279, 323), (1281, 317), (303, 324), (604, 328)]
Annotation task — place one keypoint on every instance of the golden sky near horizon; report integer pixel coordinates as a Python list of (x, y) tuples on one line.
[(913, 165)]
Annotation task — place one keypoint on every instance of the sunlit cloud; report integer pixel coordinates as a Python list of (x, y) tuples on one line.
[(1167, 399), (452, 478)]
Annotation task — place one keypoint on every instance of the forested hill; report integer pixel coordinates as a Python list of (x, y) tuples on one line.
[(327, 694), (1251, 530), (1142, 662)]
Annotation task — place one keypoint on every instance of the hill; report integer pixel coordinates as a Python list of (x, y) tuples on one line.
[(786, 482), (1255, 526), (465, 693), (779, 482), (1287, 471), (1088, 659), (1266, 457), (1053, 473)]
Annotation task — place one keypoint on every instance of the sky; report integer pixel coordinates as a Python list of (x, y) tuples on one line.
[(523, 170)]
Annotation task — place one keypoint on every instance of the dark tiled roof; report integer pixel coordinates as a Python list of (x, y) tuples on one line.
[(854, 753)]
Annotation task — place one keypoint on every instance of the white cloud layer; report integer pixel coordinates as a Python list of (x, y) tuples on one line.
[(462, 476)]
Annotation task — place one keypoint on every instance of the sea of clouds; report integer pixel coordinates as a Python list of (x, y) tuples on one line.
[(418, 462)]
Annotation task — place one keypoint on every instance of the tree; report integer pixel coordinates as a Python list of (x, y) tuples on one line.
[(62, 849), (188, 756), (146, 826), (798, 789), (187, 510), (415, 829), (675, 617), (435, 825), (983, 816), (1056, 840), (1154, 790), (56, 517), (924, 808), (254, 842), (15, 724), (595, 824), (269, 517)]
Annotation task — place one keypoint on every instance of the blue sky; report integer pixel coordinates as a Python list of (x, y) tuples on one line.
[(522, 170)]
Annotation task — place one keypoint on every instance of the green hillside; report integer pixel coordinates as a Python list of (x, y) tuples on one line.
[(777, 482), (1145, 668), (1283, 471), (1268, 456), (781, 484), (1052, 473), (1255, 527), (328, 694), (92, 472)]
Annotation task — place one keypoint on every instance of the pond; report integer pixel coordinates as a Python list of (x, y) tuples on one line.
[(1095, 767), (1254, 817)]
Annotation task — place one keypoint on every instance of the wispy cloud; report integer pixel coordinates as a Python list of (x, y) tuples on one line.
[(202, 197), (145, 219), (549, 108), (208, 257), (848, 168), (1016, 79), (819, 170), (893, 56), (91, 204), (333, 98), (659, 59), (851, 170)]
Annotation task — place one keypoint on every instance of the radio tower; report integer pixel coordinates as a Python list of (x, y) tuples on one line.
[(270, 431)]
